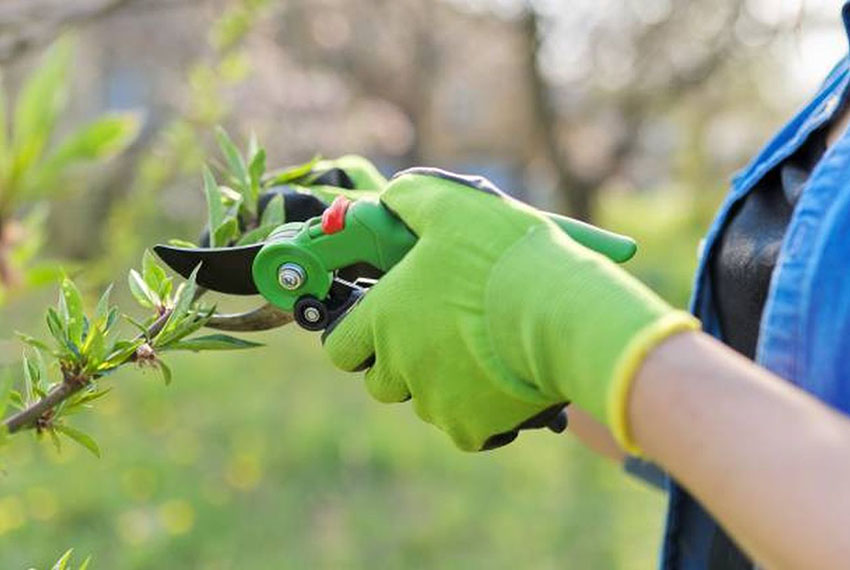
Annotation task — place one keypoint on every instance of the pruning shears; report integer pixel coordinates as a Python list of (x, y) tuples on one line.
[(314, 271)]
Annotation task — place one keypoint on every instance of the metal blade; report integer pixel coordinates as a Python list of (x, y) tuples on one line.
[(224, 269)]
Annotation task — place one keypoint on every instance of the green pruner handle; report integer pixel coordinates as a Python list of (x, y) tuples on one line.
[(616, 247), (364, 231)]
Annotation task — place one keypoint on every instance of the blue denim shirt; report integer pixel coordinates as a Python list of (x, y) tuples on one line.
[(805, 326)]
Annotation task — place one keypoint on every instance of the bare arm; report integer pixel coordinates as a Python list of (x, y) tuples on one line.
[(594, 434), (769, 461)]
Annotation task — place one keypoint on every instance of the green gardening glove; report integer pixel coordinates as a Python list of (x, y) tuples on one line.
[(495, 315)]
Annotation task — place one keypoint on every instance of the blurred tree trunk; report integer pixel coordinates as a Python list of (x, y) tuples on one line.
[(632, 104), (417, 104), (576, 195)]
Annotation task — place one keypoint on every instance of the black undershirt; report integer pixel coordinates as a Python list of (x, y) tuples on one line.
[(741, 268), (749, 245)]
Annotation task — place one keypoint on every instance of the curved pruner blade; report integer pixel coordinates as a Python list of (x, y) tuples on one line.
[(223, 269)]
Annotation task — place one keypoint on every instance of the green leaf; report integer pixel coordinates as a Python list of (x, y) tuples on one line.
[(74, 304), (253, 146), (85, 564), (34, 374), (32, 341), (42, 273), (39, 103), (94, 348), (255, 173), (62, 308), (142, 328), (120, 353), (62, 563), (213, 342), (111, 319), (55, 326), (55, 439), (165, 371), (182, 303), (102, 310), (80, 437), (225, 233), (215, 209), (235, 162), (292, 174), (32, 378), (185, 295), (102, 139), (91, 396), (143, 294), (182, 243), (82, 400), (155, 276), (184, 328), (5, 390), (16, 399), (256, 235), (274, 214), (229, 195)]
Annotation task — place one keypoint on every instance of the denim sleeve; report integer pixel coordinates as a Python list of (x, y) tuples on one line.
[(825, 358), (648, 472)]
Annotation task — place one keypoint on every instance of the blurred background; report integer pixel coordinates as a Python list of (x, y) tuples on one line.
[(632, 114)]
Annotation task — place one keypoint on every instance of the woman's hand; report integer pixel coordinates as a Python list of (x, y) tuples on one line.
[(496, 315)]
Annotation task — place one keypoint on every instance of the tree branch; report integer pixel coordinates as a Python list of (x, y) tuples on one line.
[(28, 417), (29, 24)]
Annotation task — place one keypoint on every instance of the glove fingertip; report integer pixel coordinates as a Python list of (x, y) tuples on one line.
[(386, 387), (348, 343)]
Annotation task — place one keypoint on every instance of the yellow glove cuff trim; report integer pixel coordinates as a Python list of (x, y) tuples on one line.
[(628, 365)]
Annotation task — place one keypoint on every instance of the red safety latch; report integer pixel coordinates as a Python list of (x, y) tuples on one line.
[(333, 219)]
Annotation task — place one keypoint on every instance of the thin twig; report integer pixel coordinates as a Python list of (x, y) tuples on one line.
[(69, 386)]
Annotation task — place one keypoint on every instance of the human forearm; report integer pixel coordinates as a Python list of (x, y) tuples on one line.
[(594, 434), (761, 455)]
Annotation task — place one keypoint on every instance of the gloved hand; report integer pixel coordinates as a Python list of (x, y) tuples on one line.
[(309, 195), (495, 315)]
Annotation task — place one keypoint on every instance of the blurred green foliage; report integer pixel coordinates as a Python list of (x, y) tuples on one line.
[(34, 168)]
